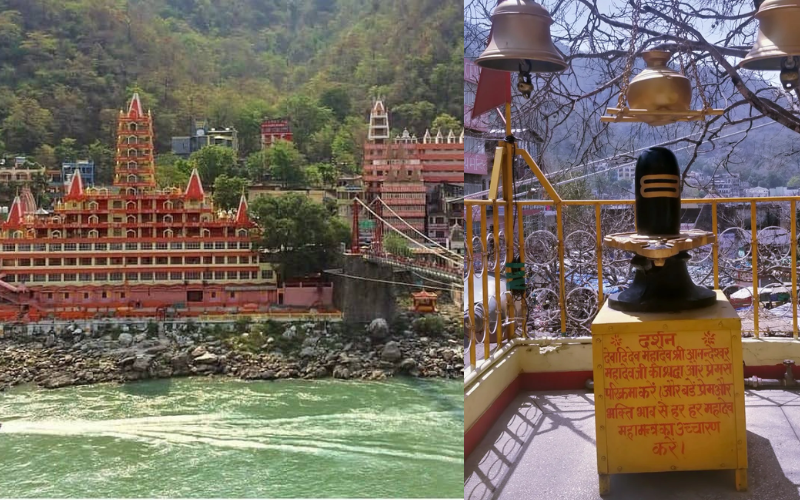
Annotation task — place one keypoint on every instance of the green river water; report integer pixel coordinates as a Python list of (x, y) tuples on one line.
[(206, 437)]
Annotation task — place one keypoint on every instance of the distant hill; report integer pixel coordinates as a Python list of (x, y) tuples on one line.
[(67, 66)]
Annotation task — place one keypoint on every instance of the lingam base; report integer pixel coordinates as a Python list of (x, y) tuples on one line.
[(665, 288)]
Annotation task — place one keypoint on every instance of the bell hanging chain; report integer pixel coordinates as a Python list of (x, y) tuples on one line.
[(626, 74)]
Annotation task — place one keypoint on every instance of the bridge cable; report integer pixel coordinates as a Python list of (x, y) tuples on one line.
[(404, 235), (416, 230)]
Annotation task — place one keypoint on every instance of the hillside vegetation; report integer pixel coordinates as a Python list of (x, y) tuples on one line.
[(67, 66)]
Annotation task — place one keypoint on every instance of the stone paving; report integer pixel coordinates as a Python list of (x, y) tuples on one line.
[(543, 447)]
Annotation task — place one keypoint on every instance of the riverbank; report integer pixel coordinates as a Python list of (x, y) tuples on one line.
[(418, 347)]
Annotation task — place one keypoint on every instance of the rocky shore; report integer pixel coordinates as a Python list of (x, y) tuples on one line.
[(422, 347)]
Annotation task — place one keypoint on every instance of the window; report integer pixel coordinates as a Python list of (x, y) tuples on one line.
[(122, 295), (232, 259), (193, 245), (24, 247), (176, 261), (104, 295), (207, 259), (101, 277), (131, 246), (100, 261), (161, 276), (161, 261), (85, 247), (24, 262), (11, 278), (70, 247), (131, 261), (193, 275), (70, 277), (85, 295), (219, 245), (232, 295), (146, 246), (39, 277), (219, 259), (176, 246), (208, 275), (116, 246), (117, 204), (39, 262), (146, 276), (86, 261), (52, 277), (40, 247), (267, 274), (244, 259), (176, 276), (71, 262), (24, 277), (146, 261), (132, 276), (233, 245), (232, 275), (116, 276), (213, 295), (219, 275), (192, 260), (161, 245), (85, 277), (100, 246), (244, 275), (244, 245), (12, 248), (117, 233), (206, 245), (50, 296), (116, 261)]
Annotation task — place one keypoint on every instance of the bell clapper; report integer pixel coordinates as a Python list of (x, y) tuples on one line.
[(525, 86), (789, 72)]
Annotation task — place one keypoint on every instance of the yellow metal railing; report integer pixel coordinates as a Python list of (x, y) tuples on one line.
[(507, 324)]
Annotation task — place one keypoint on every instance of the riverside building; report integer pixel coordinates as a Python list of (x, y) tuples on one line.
[(134, 249)]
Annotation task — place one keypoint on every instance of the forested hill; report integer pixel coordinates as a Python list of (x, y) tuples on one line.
[(68, 66)]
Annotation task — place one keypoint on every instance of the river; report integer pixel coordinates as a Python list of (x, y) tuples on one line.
[(216, 437)]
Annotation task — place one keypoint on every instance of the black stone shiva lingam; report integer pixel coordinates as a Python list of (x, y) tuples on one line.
[(661, 282)]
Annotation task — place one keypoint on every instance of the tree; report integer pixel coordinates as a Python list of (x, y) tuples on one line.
[(344, 150), (445, 123), (337, 99), (212, 161), (794, 182), (396, 245), (328, 173), (228, 191), (257, 165), (286, 163), (302, 234), (313, 176), (416, 117), (67, 151), (306, 117), (27, 126)]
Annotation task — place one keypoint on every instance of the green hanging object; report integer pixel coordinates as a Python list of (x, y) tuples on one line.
[(515, 278)]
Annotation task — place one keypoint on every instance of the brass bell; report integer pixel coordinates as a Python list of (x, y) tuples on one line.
[(659, 88), (777, 46), (520, 40)]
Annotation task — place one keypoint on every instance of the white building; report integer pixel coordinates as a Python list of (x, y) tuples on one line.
[(757, 192)]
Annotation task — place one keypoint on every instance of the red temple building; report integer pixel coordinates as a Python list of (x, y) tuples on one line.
[(133, 249), (273, 130), (413, 176)]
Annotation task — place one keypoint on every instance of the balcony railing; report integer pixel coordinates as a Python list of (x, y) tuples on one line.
[(569, 273)]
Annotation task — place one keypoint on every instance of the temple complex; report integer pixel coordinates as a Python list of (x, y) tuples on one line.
[(134, 249), (413, 176)]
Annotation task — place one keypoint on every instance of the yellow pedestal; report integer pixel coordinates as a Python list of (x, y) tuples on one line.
[(669, 392)]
